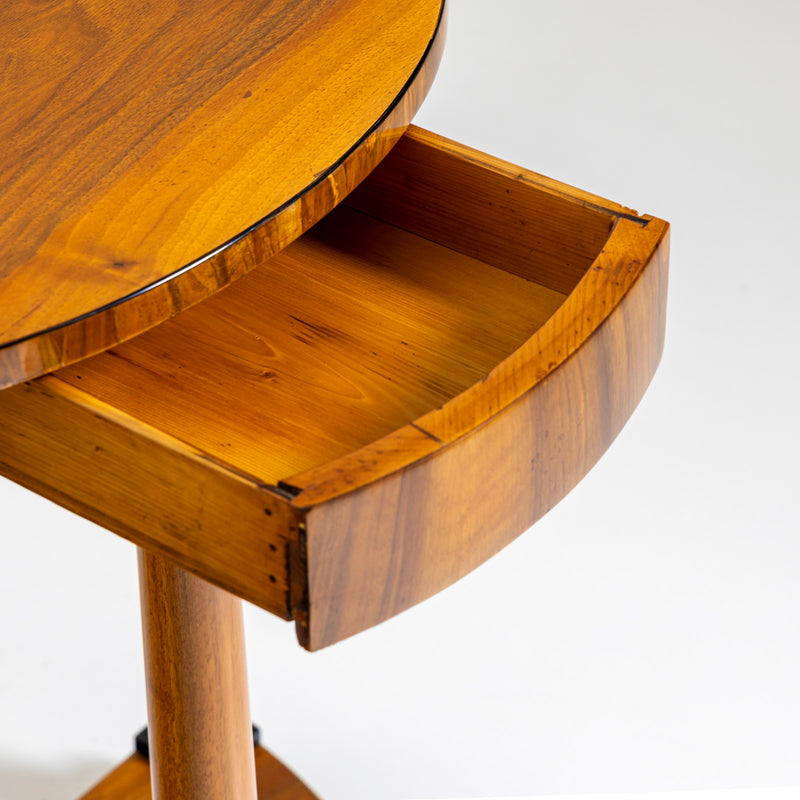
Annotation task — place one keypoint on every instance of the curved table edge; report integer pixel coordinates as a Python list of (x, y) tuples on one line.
[(112, 324)]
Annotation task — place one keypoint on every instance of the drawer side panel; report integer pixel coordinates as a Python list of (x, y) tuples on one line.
[(101, 464)]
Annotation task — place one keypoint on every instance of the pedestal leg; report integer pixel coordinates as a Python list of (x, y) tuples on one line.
[(200, 737), (201, 741)]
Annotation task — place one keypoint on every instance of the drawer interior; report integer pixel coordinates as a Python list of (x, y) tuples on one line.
[(429, 275), (366, 416)]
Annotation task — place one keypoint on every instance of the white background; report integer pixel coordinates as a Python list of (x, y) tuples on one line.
[(645, 635)]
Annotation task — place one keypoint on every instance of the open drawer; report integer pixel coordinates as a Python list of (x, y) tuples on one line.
[(376, 410)]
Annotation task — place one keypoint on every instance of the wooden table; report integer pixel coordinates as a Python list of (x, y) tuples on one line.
[(368, 411)]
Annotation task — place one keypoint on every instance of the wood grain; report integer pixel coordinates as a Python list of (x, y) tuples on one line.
[(138, 148), (174, 439), (198, 711), (595, 292), (401, 408), (376, 551), (148, 487), (131, 781), (353, 331), (484, 207)]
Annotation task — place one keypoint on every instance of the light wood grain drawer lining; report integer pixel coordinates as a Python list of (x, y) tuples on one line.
[(356, 330), (516, 220)]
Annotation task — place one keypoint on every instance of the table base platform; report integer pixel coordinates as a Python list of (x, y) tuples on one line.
[(131, 781)]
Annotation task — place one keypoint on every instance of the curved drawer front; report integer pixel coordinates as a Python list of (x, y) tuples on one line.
[(404, 517), (373, 412), (376, 551)]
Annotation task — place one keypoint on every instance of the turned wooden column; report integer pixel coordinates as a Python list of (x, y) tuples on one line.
[(201, 741)]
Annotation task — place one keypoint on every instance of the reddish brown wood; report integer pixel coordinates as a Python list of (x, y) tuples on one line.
[(378, 550), (484, 207), (131, 781), (138, 148), (595, 292), (149, 487), (201, 745), (350, 333), (369, 414)]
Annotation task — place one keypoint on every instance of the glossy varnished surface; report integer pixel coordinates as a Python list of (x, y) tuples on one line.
[(198, 712), (353, 331), (379, 408), (406, 516), (380, 549), (136, 141)]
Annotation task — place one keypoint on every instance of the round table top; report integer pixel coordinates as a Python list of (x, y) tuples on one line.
[(140, 142)]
